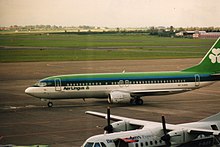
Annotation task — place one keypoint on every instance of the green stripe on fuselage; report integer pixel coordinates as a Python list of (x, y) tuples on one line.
[(126, 76)]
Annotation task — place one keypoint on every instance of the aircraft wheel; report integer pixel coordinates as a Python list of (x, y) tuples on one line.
[(132, 101), (139, 102), (50, 104)]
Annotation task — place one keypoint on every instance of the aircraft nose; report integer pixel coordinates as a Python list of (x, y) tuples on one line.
[(31, 91), (35, 92), (28, 90)]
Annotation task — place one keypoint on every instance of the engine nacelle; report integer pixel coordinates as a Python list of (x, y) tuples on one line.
[(119, 97), (180, 136), (123, 126)]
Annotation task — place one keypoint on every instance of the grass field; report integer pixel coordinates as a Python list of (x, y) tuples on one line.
[(71, 47)]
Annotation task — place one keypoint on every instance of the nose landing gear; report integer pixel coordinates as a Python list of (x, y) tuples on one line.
[(50, 104)]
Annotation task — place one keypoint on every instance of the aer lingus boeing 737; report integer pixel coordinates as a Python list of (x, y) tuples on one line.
[(129, 86)]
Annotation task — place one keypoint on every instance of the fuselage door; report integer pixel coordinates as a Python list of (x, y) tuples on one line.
[(127, 83), (57, 84), (197, 80), (123, 83), (121, 143)]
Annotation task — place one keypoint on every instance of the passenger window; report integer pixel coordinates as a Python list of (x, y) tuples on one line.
[(142, 144), (146, 143), (136, 145)]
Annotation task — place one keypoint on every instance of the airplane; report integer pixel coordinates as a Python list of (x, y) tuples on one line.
[(129, 87), (128, 132)]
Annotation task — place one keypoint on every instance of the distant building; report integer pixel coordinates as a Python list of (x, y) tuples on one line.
[(188, 34), (213, 35), (198, 34)]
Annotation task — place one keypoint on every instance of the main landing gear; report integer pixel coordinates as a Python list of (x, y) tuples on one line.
[(136, 101)]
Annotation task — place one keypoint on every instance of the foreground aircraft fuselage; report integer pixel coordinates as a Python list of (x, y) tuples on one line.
[(128, 132), (129, 87)]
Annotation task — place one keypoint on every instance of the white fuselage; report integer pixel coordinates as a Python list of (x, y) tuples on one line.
[(102, 91), (150, 136)]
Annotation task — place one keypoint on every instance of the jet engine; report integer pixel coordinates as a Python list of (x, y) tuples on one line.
[(119, 97)]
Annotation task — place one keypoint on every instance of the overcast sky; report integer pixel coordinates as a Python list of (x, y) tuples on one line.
[(111, 13)]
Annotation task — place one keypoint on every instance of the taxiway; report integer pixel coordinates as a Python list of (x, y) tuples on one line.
[(25, 120)]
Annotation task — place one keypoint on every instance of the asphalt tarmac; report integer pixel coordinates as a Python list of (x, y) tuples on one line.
[(25, 120)]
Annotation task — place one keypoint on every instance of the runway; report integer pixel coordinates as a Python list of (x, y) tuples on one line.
[(25, 120)]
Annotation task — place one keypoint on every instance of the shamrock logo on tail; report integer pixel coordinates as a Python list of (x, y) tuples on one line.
[(215, 56)]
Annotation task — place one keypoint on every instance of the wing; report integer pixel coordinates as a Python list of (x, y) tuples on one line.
[(157, 92), (203, 131), (136, 122), (151, 124)]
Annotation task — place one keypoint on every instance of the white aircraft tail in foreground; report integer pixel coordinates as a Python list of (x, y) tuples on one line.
[(128, 132)]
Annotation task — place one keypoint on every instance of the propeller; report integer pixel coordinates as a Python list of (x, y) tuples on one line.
[(108, 128), (166, 136)]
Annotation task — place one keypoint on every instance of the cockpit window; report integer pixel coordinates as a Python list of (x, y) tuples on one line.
[(44, 83), (97, 145), (103, 145), (89, 144), (40, 84)]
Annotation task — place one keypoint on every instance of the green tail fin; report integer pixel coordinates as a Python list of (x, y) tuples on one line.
[(211, 61)]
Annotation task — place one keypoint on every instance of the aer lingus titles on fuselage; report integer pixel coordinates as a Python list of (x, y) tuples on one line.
[(128, 86)]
